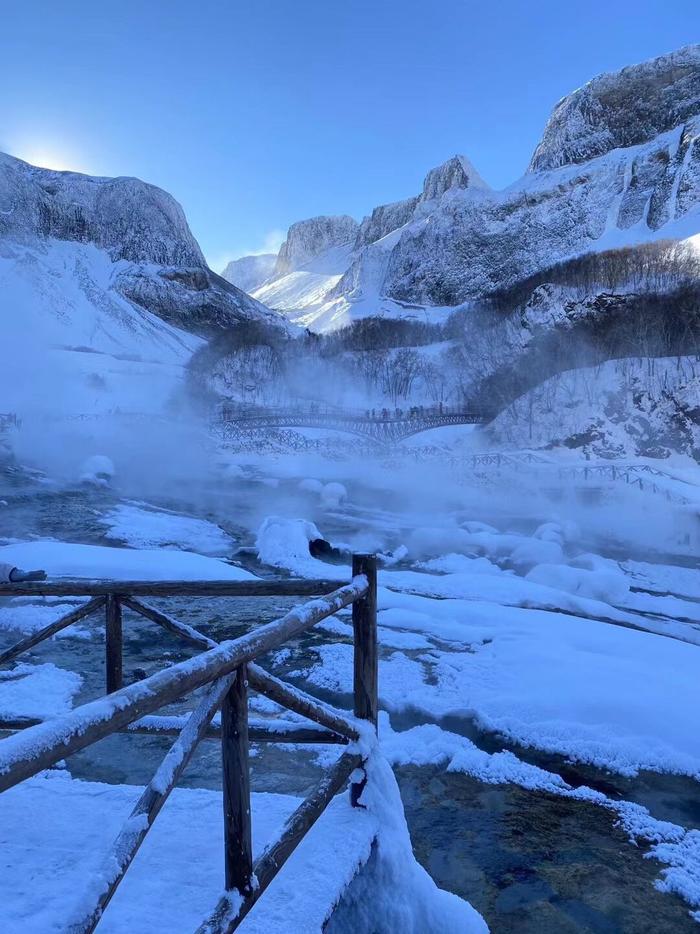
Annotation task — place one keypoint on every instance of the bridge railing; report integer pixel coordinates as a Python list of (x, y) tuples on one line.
[(224, 671), (235, 412)]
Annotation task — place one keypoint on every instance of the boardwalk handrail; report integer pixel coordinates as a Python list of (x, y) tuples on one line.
[(225, 671)]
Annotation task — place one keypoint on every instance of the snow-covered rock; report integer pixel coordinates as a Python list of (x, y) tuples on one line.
[(249, 272), (625, 108), (383, 220), (333, 494), (284, 543), (155, 262), (309, 238), (97, 470), (457, 173)]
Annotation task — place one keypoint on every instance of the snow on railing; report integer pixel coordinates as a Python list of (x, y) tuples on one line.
[(225, 670)]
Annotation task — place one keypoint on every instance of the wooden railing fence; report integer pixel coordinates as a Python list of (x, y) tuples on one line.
[(225, 671)]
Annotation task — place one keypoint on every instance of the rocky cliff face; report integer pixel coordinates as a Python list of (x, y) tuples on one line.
[(157, 263), (128, 218), (626, 108), (249, 272), (308, 239), (383, 220)]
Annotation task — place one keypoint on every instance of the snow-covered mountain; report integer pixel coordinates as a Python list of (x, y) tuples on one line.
[(249, 272), (104, 292), (157, 263), (618, 164)]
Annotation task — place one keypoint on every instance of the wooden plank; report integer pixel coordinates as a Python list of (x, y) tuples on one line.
[(73, 617), (113, 644), (294, 699), (226, 918), (238, 839), (365, 655), (24, 754), (259, 731), (291, 587), (147, 808), (189, 633), (364, 623)]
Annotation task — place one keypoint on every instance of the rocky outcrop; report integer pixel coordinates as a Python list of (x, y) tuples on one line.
[(308, 239), (249, 272), (158, 264), (456, 173), (383, 220), (625, 108), (128, 218)]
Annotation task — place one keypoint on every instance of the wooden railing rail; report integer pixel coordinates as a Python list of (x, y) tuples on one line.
[(225, 671)]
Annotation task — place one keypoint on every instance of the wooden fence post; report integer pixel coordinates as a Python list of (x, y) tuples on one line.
[(365, 669), (238, 845), (113, 643)]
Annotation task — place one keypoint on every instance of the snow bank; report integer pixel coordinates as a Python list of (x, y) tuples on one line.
[(148, 528), (96, 562), (617, 698), (459, 564), (37, 690)]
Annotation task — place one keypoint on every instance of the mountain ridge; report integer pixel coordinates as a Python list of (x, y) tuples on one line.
[(618, 163)]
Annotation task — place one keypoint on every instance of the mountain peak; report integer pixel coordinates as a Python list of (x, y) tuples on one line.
[(457, 172), (620, 109)]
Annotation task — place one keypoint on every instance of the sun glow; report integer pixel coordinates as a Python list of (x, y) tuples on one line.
[(48, 156)]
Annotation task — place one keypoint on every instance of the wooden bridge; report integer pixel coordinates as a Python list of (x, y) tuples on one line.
[(223, 671), (383, 426)]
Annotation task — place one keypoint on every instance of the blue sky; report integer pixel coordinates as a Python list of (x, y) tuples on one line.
[(257, 113)]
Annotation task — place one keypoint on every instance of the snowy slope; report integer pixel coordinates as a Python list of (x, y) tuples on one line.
[(303, 291), (72, 343)]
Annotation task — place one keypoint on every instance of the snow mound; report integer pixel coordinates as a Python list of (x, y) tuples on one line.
[(311, 486), (284, 543), (598, 584), (97, 470), (333, 494), (535, 551)]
